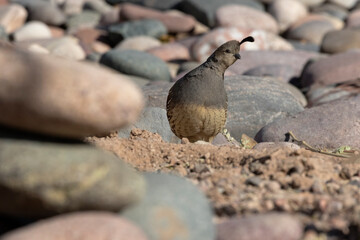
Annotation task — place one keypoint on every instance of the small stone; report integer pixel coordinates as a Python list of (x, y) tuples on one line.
[(72, 104), (272, 145), (45, 11), (32, 30), (332, 9), (340, 41), (87, 38), (311, 3), (148, 27), (353, 19), (317, 187), (170, 51), (245, 17), (72, 7), (137, 63), (172, 207), (140, 43), (253, 181), (345, 3), (84, 225), (156, 4), (318, 95), (287, 12), (12, 17), (101, 7), (85, 19)]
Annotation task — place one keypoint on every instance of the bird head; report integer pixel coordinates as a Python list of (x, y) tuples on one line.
[(228, 53)]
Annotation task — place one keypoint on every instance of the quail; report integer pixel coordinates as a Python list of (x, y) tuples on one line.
[(197, 103)]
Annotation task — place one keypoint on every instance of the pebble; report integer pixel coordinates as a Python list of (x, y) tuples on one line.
[(272, 225), (88, 40), (75, 226), (174, 23), (333, 69), (171, 52), (287, 12), (137, 63), (332, 9), (353, 19), (32, 30), (207, 44), (140, 43), (48, 178), (3, 35), (276, 145), (157, 4), (148, 27), (173, 208), (345, 3), (45, 11), (72, 104), (340, 41), (327, 126), (85, 19), (12, 17), (323, 94), (245, 17), (101, 7), (312, 3)]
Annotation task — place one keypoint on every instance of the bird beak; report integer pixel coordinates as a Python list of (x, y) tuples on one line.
[(237, 56)]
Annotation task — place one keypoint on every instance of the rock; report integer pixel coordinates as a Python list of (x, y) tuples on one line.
[(311, 3), (245, 17), (41, 179), (305, 46), (87, 38), (325, 94), (340, 41), (173, 208), (312, 28), (72, 7), (345, 3), (331, 9), (275, 145), (44, 11), (284, 65), (85, 19), (353, 19), (154, 120), (111, 17), (136, 63), (74, 226), (207, 44), (99, 6), (12, 17), (56, 32), (3, 35), (32, 30), (157, 4), (140, 43), (327, 126), (66, 47), (272, 225), (171, 51), (35, 48), (333, 69), (147, 27), (139, 81), (75, 103), (287, 12), (204, 10), (173, 23)]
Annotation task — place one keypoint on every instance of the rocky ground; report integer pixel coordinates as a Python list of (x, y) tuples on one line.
[(86, 151)]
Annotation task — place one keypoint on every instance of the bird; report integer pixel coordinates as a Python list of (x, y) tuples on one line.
[(197, 103)]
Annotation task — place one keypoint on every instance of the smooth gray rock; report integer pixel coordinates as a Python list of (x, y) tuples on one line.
[(86, 18), (340, 41), (253, 102), (332, 9), (173, 208), (40, 179), (148, 27), (204, 10), (327, 126), (137, 63), (157, 4), (153, 119)]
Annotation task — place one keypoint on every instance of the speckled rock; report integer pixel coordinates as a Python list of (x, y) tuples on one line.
[(12, 17), (173, 208), (170, 51), (208, 43), (137, 63), (140, 43), (340, 41), (287, 12), (173, 23), (42, 178), (204, 10), (274, 226), (73, 104), (85, 225), (148, 27), (333, 69), (32, 30), (245, 17), (327, 126)]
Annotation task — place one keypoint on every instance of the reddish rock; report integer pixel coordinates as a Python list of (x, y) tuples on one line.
[(171, 51), (287, 12), (353, 19), (340, 41), (12, 17), (245, 17), (56, 32), (87, 37), (4, 2), (140, 43), (333, 69), (174, 23), (274, 226), (206, 45), (77, 226)]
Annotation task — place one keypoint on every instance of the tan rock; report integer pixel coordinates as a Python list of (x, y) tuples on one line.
[(64, 98), (12, 17), (171, 51)]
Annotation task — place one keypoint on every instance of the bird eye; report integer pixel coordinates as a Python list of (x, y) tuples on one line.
[(227, 50)]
